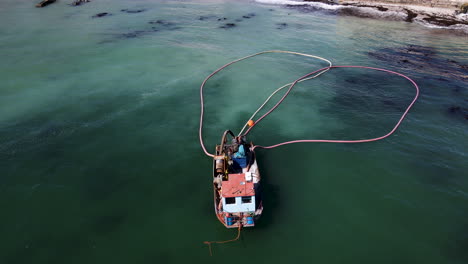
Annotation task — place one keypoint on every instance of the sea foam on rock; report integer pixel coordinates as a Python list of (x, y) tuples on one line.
[(427, 16)]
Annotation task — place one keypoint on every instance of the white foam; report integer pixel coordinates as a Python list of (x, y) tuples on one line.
[(371, 12), (463, 17), (458, 27), (288, 2)]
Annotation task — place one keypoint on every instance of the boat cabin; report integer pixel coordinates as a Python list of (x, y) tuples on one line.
[(238, 193)]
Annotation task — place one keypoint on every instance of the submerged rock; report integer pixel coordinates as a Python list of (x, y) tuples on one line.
[(133, 34), (101, 15), (282, 25), (163, 25), (458, 111), (132, 11), (454, 109), (161, 22), (228, 25), (201, 18)]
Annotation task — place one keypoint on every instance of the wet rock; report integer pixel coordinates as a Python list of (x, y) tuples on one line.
[(328, 2), (79, 2), (443, 21), (45, 3), (382, 9), (133, 11), (228, 25), (464, 8), (410, 15), (101, 15)]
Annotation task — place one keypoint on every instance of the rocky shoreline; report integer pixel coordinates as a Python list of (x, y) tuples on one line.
[(449, 18)]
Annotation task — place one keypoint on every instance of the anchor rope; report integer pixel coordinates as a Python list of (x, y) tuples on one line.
[(225, 241)]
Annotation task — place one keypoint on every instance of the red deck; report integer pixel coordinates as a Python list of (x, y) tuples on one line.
[(237, 186)]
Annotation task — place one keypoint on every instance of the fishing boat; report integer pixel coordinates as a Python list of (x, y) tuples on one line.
[(236, 183)]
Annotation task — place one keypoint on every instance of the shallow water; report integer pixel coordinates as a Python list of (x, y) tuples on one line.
[(99, 153)]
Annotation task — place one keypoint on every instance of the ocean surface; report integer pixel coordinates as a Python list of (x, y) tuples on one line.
[(99, 154)]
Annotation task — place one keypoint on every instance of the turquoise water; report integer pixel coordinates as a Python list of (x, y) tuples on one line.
[(99, 153)]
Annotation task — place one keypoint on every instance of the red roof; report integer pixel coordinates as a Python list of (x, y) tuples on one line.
[(237, 186)]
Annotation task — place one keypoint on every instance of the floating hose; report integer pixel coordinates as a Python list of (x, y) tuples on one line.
[(200, 131), (291, 85), (331, 140), (308, 76)]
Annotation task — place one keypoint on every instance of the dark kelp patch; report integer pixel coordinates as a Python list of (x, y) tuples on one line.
[(424, 60)]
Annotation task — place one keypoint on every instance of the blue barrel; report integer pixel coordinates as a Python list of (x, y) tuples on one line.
[(229, 221), (250, 220)]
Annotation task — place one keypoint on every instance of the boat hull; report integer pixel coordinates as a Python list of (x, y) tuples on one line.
[(237, 192)]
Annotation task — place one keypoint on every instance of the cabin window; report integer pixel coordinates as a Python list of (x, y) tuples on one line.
[(246, 199), (230, 200)]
